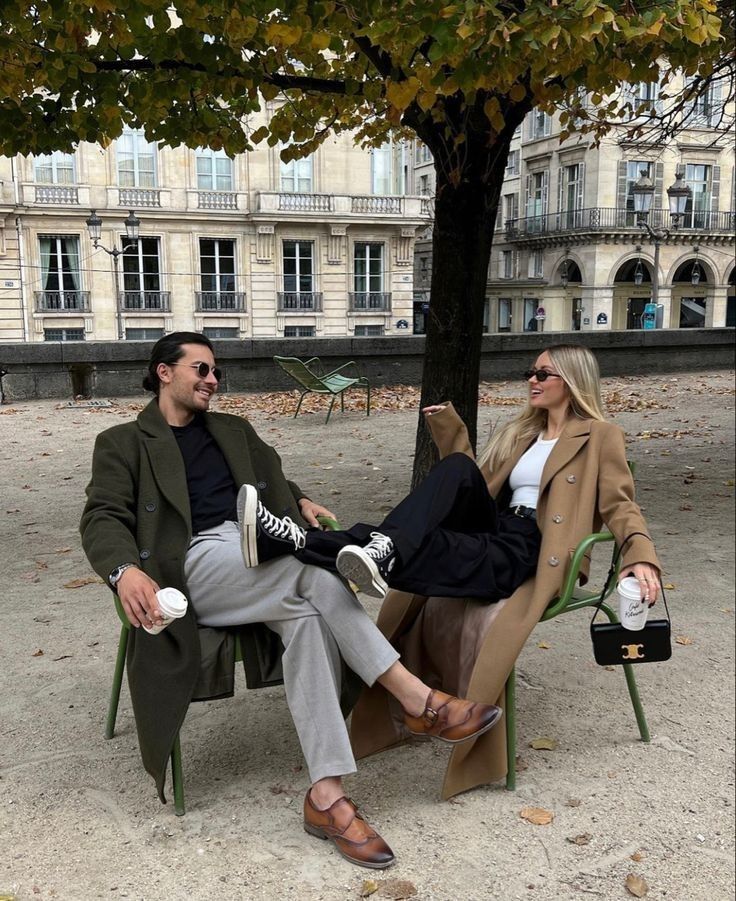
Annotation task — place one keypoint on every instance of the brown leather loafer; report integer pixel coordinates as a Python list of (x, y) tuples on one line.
[(351, 835), (451, 719)]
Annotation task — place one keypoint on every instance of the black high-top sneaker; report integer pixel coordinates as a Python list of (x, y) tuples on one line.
[(369, 566), (264, 536)]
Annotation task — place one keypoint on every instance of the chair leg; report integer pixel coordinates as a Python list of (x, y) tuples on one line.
[(177, 778), (332, 404), (368, 402), (342, 401), (628, 669), (117, 681), (298, 406), (510, 714)]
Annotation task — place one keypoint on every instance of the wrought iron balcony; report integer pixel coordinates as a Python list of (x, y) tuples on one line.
[(57, 194), (299, 301), (154, 301), (368, 301), (62, 301), (220, 300), (603, 219)]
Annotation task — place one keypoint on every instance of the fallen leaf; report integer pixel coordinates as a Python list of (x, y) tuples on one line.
[(537, 816), (573, 802), (521, 765), (543, 645), (683, 639), (78, 583), (41, 619), (670, 586), (38, 653), (398, 889), (543, 743), (582, 839), (63, 657), (369, 886), (637, 856), (636, 885)]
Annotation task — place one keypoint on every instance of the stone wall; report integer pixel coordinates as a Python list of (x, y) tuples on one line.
[(115, 369)]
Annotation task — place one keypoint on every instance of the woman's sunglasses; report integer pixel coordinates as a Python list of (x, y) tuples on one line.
[(541, 375), (203, 369)]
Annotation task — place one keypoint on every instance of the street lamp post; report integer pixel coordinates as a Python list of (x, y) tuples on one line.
[(678, 195), (132, 230)]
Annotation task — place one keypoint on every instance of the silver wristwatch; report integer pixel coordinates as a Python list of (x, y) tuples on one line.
[(114, 576)]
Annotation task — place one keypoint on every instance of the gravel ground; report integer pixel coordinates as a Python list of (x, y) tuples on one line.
[(79, 819)]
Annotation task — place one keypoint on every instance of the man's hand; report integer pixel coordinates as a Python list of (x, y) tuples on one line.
[(137, 593), (310, 511), (434, 408)]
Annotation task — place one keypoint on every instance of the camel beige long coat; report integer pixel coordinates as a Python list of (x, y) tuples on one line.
[(586, 482)]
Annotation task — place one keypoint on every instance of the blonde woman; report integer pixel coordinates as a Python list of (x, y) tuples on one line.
[(457, 536)]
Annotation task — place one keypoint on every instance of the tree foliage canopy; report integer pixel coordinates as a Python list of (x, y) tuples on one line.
[(194, 71)]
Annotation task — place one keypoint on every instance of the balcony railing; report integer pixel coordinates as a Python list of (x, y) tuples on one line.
[(377, 204), (299, 301), (306, 203), (217, 200), (220, 300), (135, 197), (146, 300), (601, 219), (62, 301), (368, 301), (57, 194)]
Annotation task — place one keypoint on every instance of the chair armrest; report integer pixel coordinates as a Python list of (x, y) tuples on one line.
[(121, 613), (568, 586), (344, 366)]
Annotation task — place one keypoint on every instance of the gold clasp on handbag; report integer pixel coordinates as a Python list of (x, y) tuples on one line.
[(632, 651)]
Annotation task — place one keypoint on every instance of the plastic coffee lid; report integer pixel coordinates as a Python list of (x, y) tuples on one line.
[(172, 602), (629, 587)]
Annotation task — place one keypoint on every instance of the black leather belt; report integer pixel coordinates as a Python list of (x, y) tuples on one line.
[(523, 512)]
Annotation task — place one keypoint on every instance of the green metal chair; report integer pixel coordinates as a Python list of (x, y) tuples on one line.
[(177, 774), (572, 597), (308, 376)]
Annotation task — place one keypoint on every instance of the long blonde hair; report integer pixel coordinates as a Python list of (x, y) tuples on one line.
[(579, 370)]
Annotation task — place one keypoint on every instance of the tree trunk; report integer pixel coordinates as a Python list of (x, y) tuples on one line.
[(464, 221)]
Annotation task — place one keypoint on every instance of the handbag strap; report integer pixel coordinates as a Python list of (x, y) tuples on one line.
[(612, 573)]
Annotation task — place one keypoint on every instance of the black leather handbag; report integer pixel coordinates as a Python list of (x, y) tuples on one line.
[(613, 644)]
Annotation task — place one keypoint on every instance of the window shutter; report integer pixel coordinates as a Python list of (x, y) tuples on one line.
[(658, 185), (621, 185), (545, 192), (561, 190), (715, 189), (528, 202), (580, 199)]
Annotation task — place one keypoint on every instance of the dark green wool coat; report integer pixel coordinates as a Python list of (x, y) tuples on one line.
[(137, 511)]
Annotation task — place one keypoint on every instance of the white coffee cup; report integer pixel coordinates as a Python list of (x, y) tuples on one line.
[(632, 610), (172, 604)]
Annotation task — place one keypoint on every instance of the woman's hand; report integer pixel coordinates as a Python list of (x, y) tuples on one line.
[(648, 578), (434, 408), (310, 511)]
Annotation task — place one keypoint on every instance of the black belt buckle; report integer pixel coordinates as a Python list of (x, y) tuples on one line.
[(524, 512)]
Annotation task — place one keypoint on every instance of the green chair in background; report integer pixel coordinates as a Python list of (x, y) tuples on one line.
[(307, 374)]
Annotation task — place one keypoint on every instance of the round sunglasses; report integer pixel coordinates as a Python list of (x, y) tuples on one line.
[(203, 369), (541, 375)]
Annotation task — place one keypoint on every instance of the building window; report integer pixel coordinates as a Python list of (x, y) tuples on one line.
[(368, 268), (707, 107), (537, 198), (536, 264), (424, 154), (63, 334), (143, 334), (512, 163), (530, 314), (298, 267), (504, 314), (540, 124), (54, 169), (424, 184), (634, 169), (697, 211), (220, 333), (387, 168), (298, 331), (643, 97), (60, 275), (510, 207), (136, 160), (217, 264), (572, 194), (214, 170), (368, 331), (487, 316), (296, 176), (508, 264), (142, 275)]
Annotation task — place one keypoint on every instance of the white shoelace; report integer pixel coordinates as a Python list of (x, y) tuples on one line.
[(379, 546), (283, 528)]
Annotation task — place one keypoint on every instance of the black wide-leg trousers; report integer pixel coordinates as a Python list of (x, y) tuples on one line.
[(450, 538)]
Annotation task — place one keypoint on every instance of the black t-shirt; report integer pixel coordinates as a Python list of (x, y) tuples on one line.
[(212, 489)]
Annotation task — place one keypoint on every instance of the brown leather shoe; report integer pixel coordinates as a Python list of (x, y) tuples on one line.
[(451, 719), (352, 836)]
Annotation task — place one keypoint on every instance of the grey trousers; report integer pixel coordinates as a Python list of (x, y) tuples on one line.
[(318, 619)]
